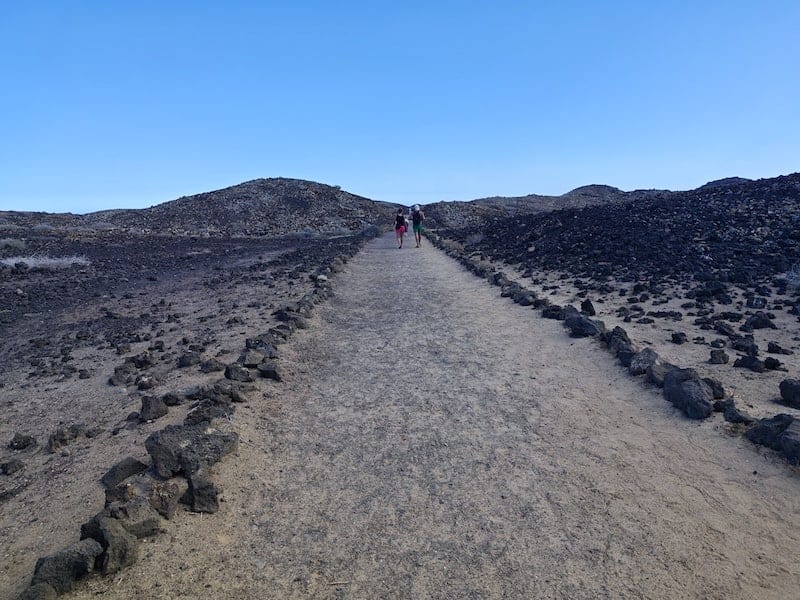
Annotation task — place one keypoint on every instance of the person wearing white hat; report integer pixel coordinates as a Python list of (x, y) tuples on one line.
[(417, 218)]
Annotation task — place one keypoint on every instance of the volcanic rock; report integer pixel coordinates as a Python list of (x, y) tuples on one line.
[(766, 432), (238, 373), (64, 435), (269, 370), (62, 569), (749, 362), (152, 408), (21, 441), (774, 348), (581, 326), (642, 361), (718, 357), (165, 496), (790, 392), (125, 468), (189, 359), (679, 337), (686, 391), (12, 466), (789, 442), (187, 448), (203, 495)]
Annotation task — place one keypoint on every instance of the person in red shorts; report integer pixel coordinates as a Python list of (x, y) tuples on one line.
[(400, 227)]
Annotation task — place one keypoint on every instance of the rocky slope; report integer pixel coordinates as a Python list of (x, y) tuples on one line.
[(741, 232), (262, 207), (478, 213)]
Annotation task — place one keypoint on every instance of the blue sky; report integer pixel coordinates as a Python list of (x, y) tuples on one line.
[(127, 105)]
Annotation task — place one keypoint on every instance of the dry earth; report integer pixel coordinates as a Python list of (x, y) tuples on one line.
[(138, 295), (432, 440)]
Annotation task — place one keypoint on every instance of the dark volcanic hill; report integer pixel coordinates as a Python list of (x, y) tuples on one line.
[(262, 207), (741, 232), (476, 212)]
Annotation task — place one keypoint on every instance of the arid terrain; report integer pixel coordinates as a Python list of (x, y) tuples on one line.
[(374, 422)]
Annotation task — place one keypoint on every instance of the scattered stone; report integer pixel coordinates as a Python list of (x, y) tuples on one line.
[(124, 375), (758, 321), (143, 360), (773, 348), (587, 308), (62, 569), (269, 370), (120, 548), (64, 435), (173, 398), (187, 448), (581, 326), (203, 495), (746, 345), (146, 382), (657, 372), (21, 441), (725, 330), (679, 337), (125, 468), (716, 387), (642, 361), (684, 389), (618, 340), (153, 408), (790, 392), (772, 364), (718, 357), (189, 359), (789, 442), (211, 365), (12, 466), (252, 358), (756, 302), (238, 373), (553, 311), (165, 496), (749, 362), (135, 515), (766, 432), (731, 413), (207, 410)]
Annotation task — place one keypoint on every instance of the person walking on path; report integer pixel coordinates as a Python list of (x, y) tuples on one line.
[(399, 227), (417, 218)]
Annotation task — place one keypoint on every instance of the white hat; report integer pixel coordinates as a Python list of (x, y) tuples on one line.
[(416, 207)]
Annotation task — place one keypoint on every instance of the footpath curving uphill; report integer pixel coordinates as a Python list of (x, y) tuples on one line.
[(429, 439)]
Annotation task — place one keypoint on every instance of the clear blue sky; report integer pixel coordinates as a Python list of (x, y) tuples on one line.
[(129, 104)]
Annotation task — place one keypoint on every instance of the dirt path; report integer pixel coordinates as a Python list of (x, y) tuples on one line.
[(432, 440)]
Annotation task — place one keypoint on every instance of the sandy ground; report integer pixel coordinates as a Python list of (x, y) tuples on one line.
[(432, 440), (55, 492)]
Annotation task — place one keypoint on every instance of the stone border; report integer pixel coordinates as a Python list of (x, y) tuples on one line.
[(139, 495), (696, 397)]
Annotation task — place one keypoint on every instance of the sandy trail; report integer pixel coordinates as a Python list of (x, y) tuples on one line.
[(432, 440)]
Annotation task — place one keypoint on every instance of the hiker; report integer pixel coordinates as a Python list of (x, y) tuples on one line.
[(417, 218), (400, 227)]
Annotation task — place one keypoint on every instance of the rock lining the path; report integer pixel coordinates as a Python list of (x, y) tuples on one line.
[(694, 397), (139, 495)]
